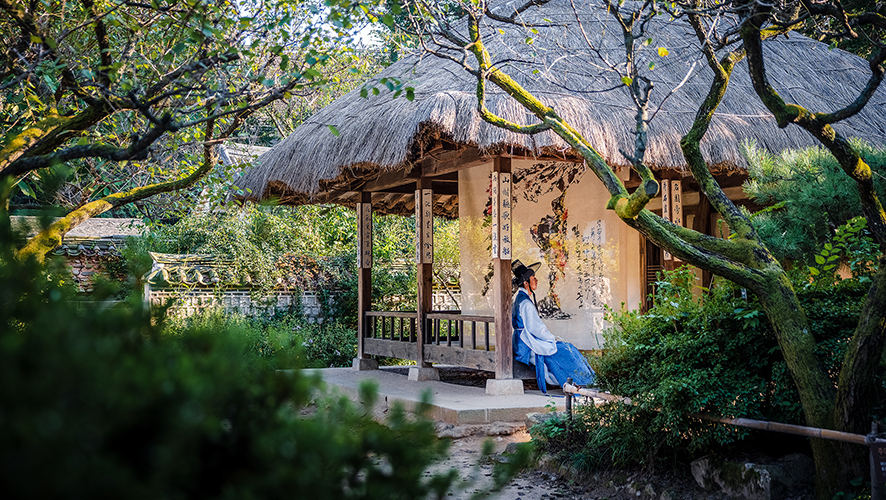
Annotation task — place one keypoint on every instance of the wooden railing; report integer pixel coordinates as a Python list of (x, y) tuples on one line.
[(391, 325), (448, 328)]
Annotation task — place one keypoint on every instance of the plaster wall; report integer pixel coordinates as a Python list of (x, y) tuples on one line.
[(589, 257)]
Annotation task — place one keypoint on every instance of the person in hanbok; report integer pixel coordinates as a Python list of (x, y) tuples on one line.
[(554, 360)]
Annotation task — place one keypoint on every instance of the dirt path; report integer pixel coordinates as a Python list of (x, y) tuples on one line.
[(529, 485), (465, 452)]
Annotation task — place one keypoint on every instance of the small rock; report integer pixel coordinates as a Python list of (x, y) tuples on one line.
[(504, 428)]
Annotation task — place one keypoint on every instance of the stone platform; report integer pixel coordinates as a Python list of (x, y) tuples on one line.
[(451, 403)]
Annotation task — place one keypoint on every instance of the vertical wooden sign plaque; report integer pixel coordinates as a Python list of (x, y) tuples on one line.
[(666, 209), (496, 233), (677, 204), (504, 215), (364, 235), (418, 228), (427, 230)]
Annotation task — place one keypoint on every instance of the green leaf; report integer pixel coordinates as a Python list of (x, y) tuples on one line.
[(627, 80), (333, 130), (819, 260), (364, 92), (26, 189), (813, 271), (663, 51), (651, 65), (410, 94)]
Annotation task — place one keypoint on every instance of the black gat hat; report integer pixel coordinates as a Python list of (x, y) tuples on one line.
[(522, 272)]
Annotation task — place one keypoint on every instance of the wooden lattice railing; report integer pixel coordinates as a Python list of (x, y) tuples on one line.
[(444, 328)]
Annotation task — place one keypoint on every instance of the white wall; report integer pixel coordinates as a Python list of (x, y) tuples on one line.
[(591, 257)]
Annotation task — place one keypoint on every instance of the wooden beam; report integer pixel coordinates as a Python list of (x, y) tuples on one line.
[(460, 356), (501, 285), (390, 348), (444, 188), (446, 162)]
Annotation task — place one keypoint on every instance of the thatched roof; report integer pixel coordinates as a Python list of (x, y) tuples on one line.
[(379, 134)]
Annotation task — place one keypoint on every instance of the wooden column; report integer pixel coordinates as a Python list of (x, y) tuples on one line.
[(502, 200), (424, 260), (364, 267)]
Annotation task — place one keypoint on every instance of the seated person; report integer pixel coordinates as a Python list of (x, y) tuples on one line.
[(554, 360)]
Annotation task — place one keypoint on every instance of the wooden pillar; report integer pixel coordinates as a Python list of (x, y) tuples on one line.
[(502, 200), (364, 278), (424, 260)]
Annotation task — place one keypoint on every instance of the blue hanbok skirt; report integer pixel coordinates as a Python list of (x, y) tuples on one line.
[(566, 362)]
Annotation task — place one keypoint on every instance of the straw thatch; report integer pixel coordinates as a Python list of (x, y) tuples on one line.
[(379, 133)]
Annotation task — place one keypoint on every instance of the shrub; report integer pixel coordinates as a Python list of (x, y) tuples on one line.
[(99, 403), (717, 356)]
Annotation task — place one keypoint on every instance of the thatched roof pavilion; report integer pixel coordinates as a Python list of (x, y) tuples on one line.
[(390, 155), (379, 135)]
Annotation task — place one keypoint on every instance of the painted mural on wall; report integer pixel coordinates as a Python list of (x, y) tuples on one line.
[(560, 246)]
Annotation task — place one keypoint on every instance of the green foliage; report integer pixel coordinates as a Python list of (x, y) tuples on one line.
[(311, 247), (284, 341), (99, 403), (852, 245), (717, 356), (817, 196)]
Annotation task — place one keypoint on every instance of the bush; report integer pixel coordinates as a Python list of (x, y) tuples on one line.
[(99, 403), (684, 357), (284, 341)]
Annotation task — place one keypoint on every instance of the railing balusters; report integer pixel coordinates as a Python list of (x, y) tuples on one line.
[(394, 327)]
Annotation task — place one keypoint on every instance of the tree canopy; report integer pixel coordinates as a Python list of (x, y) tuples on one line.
[(131, 98)]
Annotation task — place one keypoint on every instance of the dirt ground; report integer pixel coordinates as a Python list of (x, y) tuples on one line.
[(545, 483)]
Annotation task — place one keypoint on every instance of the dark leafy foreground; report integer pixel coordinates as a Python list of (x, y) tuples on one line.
[(98, 404)]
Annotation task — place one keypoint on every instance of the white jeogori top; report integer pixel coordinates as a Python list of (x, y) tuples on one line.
[(535, 334)]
